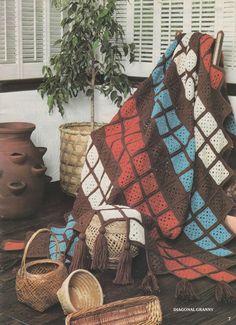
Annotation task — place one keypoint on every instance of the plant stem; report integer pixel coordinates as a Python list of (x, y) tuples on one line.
[(92, 98)]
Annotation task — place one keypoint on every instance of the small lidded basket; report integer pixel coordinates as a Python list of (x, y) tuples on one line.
[(37, 282)]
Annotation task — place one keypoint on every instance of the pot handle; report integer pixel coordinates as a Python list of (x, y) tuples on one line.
[(38, 170), (16, 187), (23, 261), (18, 157)]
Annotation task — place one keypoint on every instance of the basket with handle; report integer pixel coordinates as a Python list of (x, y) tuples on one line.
[(37, 282), (144, 310)]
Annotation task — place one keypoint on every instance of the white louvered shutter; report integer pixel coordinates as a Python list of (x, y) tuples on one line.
[(8, 46), (55, 29), (32, 30), (138, 18), (203, 16), (226, 20), (143, 30), (32, 13), (121, 14), (28, 31), (171, 20), (7, 31), (152, 24)]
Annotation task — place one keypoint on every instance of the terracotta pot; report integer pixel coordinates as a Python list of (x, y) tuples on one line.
[(22, 171)]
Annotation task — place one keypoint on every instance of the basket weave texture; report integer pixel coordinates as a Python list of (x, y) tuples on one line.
[(116, 238), (74, 138), (81, 290), (144, 310), (37, 282)]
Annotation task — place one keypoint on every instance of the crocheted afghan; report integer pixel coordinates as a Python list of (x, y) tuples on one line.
[(161, 164)]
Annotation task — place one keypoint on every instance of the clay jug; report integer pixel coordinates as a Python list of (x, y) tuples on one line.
[(22, 171)]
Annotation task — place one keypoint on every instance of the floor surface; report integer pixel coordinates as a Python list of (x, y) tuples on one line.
[(52, 210)]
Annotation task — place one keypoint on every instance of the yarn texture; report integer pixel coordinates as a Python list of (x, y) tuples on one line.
[(161, 166)]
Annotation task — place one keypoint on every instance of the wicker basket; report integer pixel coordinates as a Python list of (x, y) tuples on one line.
[(116, 239), (143, 310), (81, 290), (74, 138), (37, 282)]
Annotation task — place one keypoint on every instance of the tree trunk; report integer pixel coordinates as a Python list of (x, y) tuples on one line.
[(92, 112), (92, 106)]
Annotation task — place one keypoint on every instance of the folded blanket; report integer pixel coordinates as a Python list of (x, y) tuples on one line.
[(162, 165)]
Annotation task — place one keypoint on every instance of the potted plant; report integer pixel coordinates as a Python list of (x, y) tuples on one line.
[(90, 59)]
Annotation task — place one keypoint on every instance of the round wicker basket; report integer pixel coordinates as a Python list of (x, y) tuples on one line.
[(80, 290), (74, 138), (116, 239), (37, 282)]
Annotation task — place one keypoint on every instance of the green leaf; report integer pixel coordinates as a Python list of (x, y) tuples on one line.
[(119, 101), (96, 44), (105, 35), (50, 102), (132, 57), (44, 69), (104, 12), (125, 49), (113, 95), (74, 40)]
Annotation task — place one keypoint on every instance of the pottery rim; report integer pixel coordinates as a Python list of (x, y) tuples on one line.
[(16, 127), (64, 292)]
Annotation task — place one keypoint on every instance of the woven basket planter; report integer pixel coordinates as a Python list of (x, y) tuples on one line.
[(74, 138), (116, 239), (37, 282), (81, 290), (145, 310)]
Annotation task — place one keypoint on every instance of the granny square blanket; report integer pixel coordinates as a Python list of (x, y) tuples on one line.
[(162, 164)]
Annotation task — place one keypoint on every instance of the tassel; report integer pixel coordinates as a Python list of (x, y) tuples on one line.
[(124, 269), (184, 290), (80, 256), (224, 292), (150, 284), (100, 252)]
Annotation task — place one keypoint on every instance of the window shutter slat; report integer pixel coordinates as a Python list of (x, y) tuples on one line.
[(229, 45), (29, 29), (55, 29), (137, 19), (7, 32), (121, 14), (203, 16), (143, 30), (172, 19), (32, 31)]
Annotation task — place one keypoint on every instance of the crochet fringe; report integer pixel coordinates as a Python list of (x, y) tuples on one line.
[(150, 284), (184, 290), (124, 269), (80, 256), (224, 292), (100, 252)]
